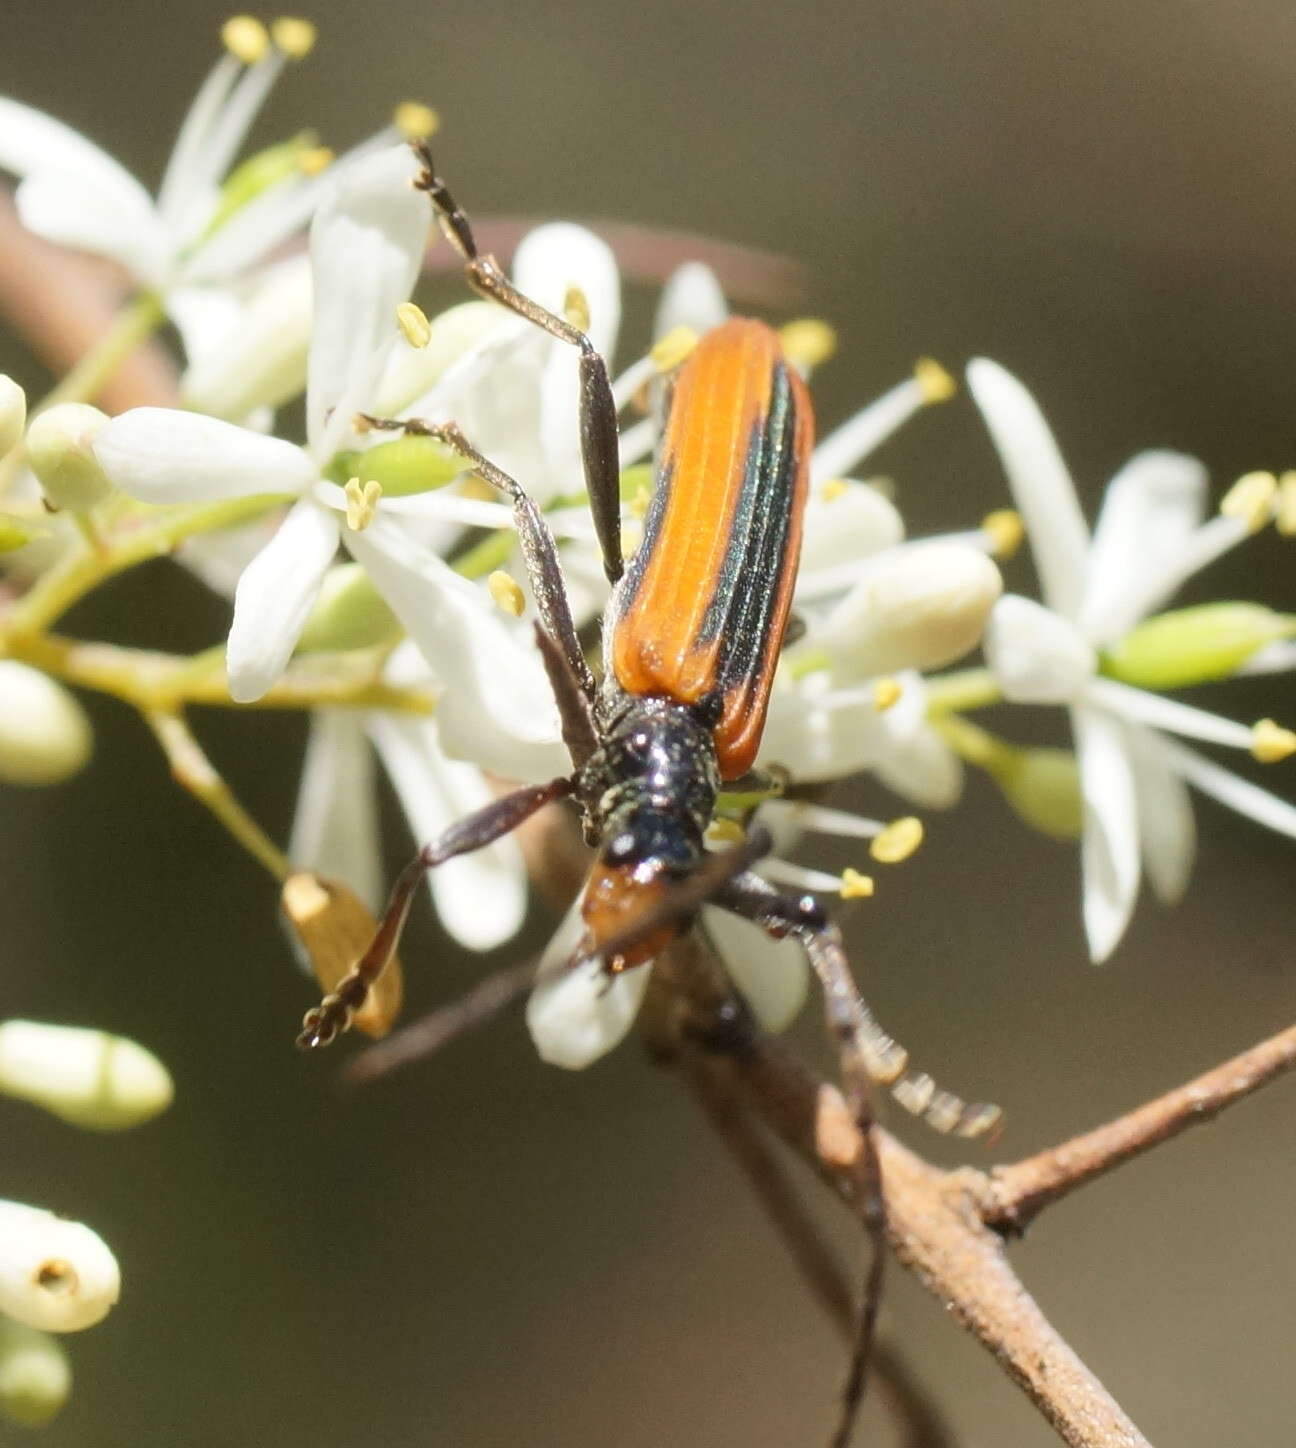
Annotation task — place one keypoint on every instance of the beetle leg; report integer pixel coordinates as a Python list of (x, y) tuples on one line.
[(600, 454), (333, 1015)]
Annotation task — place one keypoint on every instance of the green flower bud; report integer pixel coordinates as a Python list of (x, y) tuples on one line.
[(86, 1077), (13, 413), (1194, 645), (400, 467), (35, 1375), (16, 533), (45, 736), (60, 453), (259, 173), (1043, 788), (350, 613)]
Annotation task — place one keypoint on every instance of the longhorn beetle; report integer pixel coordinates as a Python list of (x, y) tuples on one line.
[(691, 639)]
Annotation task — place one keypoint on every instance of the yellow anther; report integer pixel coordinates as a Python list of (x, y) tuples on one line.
[(245, 38), (833, 489), (669, 351), (808, 341), (1005, 530), (1285, 512), (1252, 499), (639, 500), (886, 694), (898, 841), (294, 36), (415, 121), (361, 503), (315, 159), (1270, 742), (414, 325), (855, 886), (507, 592), (575, 307), (935, 383), (725, 832)]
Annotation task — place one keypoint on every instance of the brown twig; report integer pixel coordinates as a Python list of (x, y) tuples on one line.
[(1021, 1190)]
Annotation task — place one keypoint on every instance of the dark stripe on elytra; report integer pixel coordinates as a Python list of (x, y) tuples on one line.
[(627, 591)]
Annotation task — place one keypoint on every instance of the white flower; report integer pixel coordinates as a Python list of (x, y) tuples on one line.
[(1150, 536), (55, 1275)]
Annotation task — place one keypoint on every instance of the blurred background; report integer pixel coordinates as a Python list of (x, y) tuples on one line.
[(486, 1251)]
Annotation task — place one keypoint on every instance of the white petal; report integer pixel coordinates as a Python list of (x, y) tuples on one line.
[(1162, 713), (1150, 507), (367, 245), (1109, 850), (220, 558), (1232, 790), (275, 596), (552, 258), (772, 974), (840, 531), (458, 337), (176, 189), (481, 897), (335, 827), (163, 455), (923, 769), (692, 297), (848, 445), (1277, 658), (90, 214), (205, 317), (1040, 482), (1036, 655), (497, 709), (579, 1015), (220, 140), (1167, 831)]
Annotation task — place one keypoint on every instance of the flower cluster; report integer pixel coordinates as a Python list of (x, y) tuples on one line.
[(376, 584)]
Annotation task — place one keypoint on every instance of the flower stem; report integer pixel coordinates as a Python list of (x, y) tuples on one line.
[(962, 690), (134, 324)]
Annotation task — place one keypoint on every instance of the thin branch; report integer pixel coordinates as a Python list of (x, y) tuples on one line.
[(1019, 1191)]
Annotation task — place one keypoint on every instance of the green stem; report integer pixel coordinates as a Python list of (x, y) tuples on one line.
[(133, 325), (965, 689)]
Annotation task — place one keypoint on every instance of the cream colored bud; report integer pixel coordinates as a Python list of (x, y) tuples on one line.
[(55, 1275), (87, 1077), (915, 606), (13, 413), (61, 455), (334, 927), (44, 733), (35, 1375)]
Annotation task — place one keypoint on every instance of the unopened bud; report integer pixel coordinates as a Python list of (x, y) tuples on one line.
[(60, 453), (35, 1375), (45, 736), (55, 1275), (349, 613), (1043, 788), (334, 928), (88, 1078), (1195, 645), (16, 532), (403, 466), (13, 413)]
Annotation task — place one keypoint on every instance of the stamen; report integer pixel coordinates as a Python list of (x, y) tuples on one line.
[(1005, 530), (362, 503), (637, 504), (855, 886), (886, 694), (245, 38), (822, 820), (799, 877), (898, 841), (1252, 499), (414, 325), (936, 383), (1285, 510), (415, 121), (670, 351), (576, 307), (294, 36), (315, 159), (725, 832), (833, 489), (507, 592), (1271, 743), (808, 342)]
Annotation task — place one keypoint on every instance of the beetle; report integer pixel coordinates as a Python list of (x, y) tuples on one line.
[(691, 640)]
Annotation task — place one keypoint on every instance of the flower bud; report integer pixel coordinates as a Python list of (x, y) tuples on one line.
[(349, 613), (845, 522), (45, 735), (35, 1375), (55, 1275), (1195, 645), (1043, 788), (16, 533), (400, 467), (916, 606), (13, 413), (333, 927), (87, 1077), (60, 453)]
